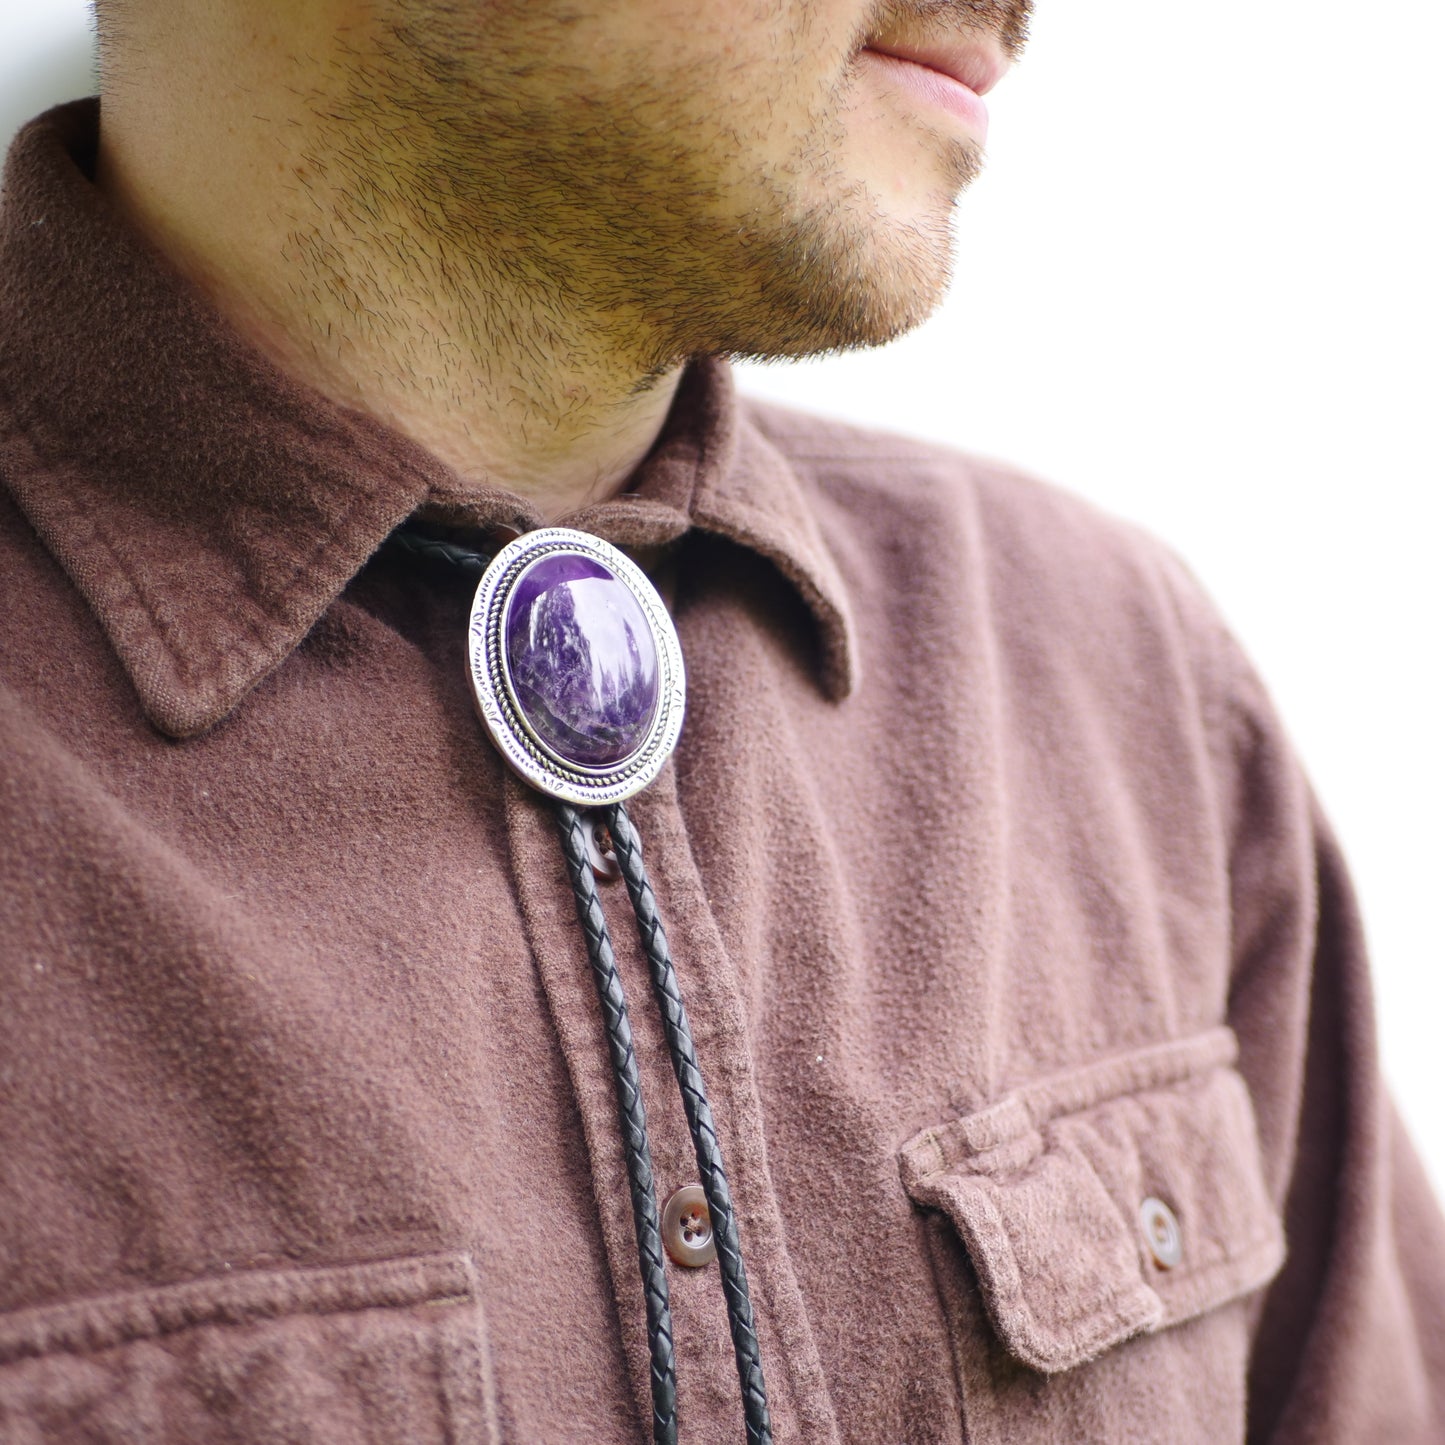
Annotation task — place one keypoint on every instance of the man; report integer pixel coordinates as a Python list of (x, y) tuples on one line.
[(1023, 977)]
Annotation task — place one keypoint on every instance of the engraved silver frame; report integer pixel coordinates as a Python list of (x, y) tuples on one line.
[(521, 748)]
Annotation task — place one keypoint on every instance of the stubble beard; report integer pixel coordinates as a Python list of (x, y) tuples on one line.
[(632, 225)]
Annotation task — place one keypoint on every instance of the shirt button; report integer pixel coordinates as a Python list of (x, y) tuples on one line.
[(1161, 1232), (687, 1228)]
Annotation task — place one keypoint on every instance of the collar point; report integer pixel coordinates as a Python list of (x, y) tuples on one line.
[(838, 667), (182, 715), (185, 702)]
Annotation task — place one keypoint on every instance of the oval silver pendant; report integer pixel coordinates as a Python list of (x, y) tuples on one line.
[(575, 665)]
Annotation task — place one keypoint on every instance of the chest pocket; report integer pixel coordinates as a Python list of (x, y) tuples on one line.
[(366, 1354), (1095, 1236)]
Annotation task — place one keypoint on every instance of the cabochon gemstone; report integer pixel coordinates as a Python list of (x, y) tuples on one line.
[(582, 660)]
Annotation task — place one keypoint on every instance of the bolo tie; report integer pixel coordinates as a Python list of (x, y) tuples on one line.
[(577, 677)]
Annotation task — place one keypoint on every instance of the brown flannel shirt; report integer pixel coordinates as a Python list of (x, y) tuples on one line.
[(999, 903)]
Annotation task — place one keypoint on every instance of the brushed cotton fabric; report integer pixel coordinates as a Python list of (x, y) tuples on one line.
[(998, 900)]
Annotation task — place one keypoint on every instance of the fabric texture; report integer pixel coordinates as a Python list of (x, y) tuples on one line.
[(997, 898)]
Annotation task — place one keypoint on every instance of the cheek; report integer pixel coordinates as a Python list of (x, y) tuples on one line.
[(780, 52), (747, 84)]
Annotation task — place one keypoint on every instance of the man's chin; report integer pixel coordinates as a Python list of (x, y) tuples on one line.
[(848, 302), (881, 265), (831, 336)]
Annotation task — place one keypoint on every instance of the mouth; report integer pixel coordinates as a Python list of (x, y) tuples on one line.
[(951, 76), (973, 64)]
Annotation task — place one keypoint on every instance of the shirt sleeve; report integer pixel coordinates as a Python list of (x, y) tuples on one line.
[(1349, 1340)]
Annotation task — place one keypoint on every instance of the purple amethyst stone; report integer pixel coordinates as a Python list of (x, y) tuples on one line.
[(582, 660)]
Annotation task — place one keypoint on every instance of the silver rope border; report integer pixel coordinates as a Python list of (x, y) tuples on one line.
[(524, 752)]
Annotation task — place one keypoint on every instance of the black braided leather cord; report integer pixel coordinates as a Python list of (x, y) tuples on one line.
[(628, 848), (634, 1126), (433, 549), (629, 1088)]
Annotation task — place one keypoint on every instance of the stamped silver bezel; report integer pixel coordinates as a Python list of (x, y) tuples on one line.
[(524, 752)]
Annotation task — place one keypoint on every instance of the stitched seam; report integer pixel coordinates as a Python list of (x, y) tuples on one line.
[(1018, 1295), (85, 528), (261, 611), (1217, 1259), (1093, 1086), (1198, 1288), (782, 1302), (335, 1289), (1166, 1067)]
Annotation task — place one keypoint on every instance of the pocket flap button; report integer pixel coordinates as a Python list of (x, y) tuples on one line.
[(1161, 1233)]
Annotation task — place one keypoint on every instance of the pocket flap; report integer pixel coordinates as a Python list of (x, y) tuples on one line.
[(1056, 1191)]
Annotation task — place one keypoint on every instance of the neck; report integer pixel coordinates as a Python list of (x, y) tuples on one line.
[(279, 192)]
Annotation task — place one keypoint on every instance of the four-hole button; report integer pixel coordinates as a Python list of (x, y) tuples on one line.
[(687, 1228)]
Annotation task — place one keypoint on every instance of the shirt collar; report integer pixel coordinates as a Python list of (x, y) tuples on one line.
[(209, 509)]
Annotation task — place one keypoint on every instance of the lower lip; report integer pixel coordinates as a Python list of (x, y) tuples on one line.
[(936, 88)]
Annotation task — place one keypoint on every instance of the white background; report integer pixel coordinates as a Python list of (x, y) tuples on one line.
[(1201, 283)]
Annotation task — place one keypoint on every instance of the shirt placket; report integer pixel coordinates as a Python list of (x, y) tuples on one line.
[(709, 1409)]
